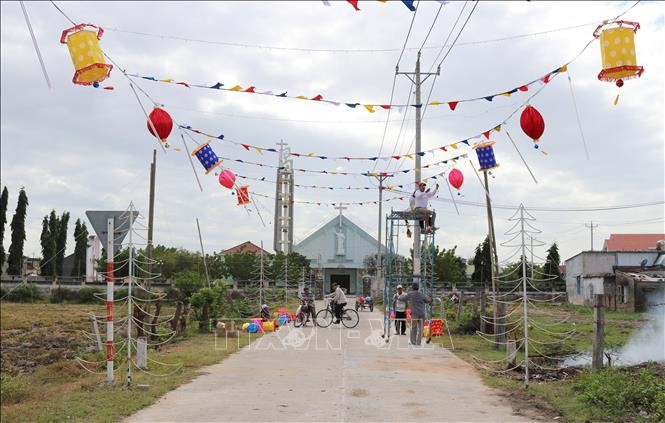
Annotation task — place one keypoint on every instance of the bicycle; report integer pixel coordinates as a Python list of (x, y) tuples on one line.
[(305, 312), (349, 317)]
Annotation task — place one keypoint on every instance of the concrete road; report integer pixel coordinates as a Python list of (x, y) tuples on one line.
[(334, 375)]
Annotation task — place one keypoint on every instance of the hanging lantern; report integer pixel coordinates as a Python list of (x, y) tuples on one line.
[(206, 156), (227, 178), (456, 178), (243, 195), (485, 154), (162, 122), (532, 124), (86, 54), (617, 48)]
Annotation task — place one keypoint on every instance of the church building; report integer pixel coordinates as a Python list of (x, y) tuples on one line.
[(339, 249)]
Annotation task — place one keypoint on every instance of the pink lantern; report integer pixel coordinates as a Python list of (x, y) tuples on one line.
[(227, 178), (456, 178)]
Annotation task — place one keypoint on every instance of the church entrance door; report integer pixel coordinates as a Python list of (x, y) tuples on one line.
[(343, 281)]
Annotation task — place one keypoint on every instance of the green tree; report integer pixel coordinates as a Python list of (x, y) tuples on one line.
[(244, 266), (551, 268), (188, 283), (53, 231), (216, 266), (15, 258), (203, 302), (120, 257), (291, 266), (3, 220), (482, 263), (81, 245), (171, 260), (448, 266), (47, 264), (61, 242)]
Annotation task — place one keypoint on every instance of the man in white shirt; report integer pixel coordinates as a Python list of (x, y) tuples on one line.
[(399, 305), (421, 199), (339, 300)]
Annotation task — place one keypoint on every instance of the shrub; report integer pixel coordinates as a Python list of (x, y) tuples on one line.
[(87, 295), (469, 321), (12, 390), (77, 296), (26, 293), (618, 394), (59, 295)]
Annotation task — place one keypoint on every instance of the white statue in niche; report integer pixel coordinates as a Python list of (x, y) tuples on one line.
[(340, 242)]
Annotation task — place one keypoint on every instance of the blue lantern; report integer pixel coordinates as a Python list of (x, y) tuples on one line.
[(485, 154), (206, 156)]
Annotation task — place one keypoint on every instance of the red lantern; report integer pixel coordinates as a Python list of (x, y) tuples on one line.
[(227, 178), (532, 123), (456, 178), (243, 195), (162, 122)]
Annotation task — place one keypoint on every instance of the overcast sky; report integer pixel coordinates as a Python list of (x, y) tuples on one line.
[(78, 148)]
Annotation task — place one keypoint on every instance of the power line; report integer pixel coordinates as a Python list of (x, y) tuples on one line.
[(429, 95), (547, 209), (431, 27), (331, 50), (392, 90), (406, 40)]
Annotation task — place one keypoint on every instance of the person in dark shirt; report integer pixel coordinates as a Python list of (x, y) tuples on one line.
[(417, 302)]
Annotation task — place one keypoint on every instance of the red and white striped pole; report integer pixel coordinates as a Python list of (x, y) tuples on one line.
[(110, 231)]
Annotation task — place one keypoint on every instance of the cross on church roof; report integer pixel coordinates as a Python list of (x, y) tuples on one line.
[(340, 208)]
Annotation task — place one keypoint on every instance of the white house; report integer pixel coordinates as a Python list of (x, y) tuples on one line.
[(593, 272)]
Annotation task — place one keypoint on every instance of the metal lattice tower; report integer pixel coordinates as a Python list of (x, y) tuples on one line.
[(394, 264), (283, 222)]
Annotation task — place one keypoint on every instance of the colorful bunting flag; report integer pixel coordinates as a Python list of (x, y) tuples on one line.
[(354, 3), (409, 5), (371, 107)]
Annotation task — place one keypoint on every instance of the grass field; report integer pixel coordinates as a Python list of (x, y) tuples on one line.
[(40, 342), (562, 395)]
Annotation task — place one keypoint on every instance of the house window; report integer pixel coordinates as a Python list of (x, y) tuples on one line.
[(590, 291), (578, 285)]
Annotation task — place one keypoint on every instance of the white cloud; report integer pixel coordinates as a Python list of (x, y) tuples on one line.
[(79, 148)]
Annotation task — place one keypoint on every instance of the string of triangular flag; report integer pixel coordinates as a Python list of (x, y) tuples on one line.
[(325, 203), (445, 148), (220, 159), (357, 188), (408, 3), (370, 107)]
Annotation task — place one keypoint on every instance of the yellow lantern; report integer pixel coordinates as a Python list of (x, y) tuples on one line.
[(617, 47), (87, 56)]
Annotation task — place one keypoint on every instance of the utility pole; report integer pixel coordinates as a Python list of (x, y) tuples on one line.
[(592, 226), (205, 265), (379, 259), (261, 276), (417, 82), (494, 258), (151, 217), (130, 317), (524, 300)]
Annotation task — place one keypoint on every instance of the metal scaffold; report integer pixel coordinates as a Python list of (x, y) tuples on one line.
[(395, 266)]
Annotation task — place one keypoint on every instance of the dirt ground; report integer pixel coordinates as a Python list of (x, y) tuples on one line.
[(32, 336)]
